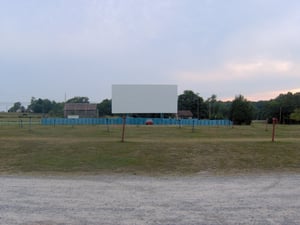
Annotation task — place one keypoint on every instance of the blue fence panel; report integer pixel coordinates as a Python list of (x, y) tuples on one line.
[(134, 121)]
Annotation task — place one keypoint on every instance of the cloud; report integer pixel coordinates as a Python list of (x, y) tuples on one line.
[(225, 48), (84, 28), (274, 36), (241, 70), (259, 67), (267, 95), (258, 79)]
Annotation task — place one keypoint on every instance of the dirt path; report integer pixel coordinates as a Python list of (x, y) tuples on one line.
[(252, 199)]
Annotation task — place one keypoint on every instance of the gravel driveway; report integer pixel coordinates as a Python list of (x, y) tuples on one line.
[(249, 199)]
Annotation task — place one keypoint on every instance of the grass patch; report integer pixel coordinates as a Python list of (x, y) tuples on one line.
[(150, 150)]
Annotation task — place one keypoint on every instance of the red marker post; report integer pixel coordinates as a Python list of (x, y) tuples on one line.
[(274, 125)]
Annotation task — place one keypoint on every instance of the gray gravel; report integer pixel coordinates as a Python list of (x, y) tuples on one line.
[(252, 199)]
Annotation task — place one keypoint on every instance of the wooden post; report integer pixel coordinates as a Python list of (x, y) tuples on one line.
[(107, 126), (123, 130), (273, 132), (30, 123), (193, 129)]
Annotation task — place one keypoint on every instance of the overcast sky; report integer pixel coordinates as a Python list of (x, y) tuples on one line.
[(57, 48)]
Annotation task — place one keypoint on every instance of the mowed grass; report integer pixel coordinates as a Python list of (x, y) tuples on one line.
[(148, 150)]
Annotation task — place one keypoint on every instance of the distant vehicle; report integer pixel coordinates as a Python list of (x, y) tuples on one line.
[(149, 122)]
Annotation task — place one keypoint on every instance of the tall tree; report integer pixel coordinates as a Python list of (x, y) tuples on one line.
[(295, 115), (104, 108), (191, 101), (214, 108), (261, 111), (17, 107), (241, 111), (40, 105), (57, 109), (79, 100), (46, 106), (281, 107), (223, 109), (287, 104)]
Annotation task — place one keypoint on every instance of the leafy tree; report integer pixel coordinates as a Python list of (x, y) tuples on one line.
[(280, 107), (215, 109), (57, 109), (17, 107), (223, 110), (79, 100), (261, 110), (286, 106), (295, 115), (104, 108), (241, 111), (191, 101), (211, 106), (272, 109), (39, 105), (46, 106)]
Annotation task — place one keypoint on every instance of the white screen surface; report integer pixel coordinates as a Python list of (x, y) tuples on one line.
[(144, 98)]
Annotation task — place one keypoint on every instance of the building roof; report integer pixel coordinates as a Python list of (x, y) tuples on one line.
[(80, 106), (185, 113)]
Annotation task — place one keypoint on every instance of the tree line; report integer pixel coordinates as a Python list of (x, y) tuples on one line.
[(285, 107)]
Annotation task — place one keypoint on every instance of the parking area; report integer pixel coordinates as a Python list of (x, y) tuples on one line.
[(124, 199)]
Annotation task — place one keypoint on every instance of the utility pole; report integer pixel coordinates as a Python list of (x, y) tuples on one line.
[(280, 112), (198, 108)]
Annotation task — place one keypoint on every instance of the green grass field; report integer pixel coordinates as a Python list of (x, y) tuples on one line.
[(148, 150)]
